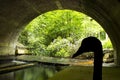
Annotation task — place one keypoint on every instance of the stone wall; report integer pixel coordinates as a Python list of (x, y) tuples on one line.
[(15, 14)]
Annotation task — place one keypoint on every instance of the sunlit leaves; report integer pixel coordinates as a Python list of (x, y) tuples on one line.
[(56, 33)]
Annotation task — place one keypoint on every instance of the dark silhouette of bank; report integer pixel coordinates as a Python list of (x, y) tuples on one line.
[(92, 44)]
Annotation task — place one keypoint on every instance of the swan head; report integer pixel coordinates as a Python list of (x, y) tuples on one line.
[(89, 44)]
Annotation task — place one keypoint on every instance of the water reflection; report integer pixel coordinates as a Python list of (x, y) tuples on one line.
[(40, 72)]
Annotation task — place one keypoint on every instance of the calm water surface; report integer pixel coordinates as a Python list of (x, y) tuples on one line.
[(40, 72)]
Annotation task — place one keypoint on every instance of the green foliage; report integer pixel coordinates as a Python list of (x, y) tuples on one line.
[(107, 44), (61, 47), (57, 33), (23, 38)]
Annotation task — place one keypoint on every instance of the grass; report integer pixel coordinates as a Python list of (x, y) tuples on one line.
[(86, 73)]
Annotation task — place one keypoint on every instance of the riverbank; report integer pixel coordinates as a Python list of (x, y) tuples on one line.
[(14, 62)]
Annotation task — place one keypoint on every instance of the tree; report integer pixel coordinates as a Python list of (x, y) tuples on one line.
[(47, 33)]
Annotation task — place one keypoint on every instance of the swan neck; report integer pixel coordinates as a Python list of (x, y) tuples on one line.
[(98, 59)]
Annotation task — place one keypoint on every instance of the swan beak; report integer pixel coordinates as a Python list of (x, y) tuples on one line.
[(79, 52)]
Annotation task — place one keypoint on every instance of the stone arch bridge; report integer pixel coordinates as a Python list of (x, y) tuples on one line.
[(16, 14)]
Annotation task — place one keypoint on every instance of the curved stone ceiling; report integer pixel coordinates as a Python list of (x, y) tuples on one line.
[(15, 14)]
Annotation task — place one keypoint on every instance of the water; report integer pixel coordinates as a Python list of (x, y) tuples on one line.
[(39, 72)]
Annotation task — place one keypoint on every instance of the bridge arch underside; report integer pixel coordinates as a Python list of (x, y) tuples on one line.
[(15, 14)]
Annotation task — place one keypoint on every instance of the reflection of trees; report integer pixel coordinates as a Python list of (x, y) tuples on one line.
[(35, 73), (18, 74)]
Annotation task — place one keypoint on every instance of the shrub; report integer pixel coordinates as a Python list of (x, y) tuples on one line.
[(107, 44)]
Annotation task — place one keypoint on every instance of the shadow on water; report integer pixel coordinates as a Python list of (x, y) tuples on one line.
[(39, 72)]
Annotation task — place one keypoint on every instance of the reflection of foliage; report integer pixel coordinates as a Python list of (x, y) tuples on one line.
[(40, 72), (56, 33)]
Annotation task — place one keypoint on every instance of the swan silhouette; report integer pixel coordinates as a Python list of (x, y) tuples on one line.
[(93, 44)]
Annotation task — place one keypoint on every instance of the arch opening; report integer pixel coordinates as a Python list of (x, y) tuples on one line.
[(56, 37)]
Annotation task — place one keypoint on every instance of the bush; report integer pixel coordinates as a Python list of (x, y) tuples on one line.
[(61, 47), (107, 44)]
